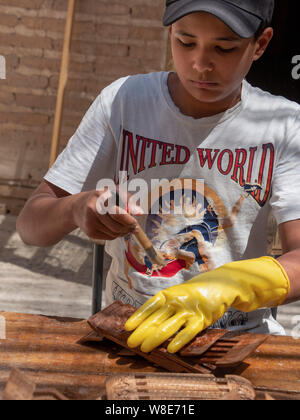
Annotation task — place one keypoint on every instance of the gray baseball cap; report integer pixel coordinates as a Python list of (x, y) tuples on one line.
[(244, 17)]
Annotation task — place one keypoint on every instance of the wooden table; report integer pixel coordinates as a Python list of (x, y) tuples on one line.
[(46, 349)]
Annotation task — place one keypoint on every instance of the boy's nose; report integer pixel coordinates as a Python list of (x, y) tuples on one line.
[(202, 63)]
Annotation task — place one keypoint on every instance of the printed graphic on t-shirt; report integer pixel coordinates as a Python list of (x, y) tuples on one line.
[(120, 294), (232, 318), (250, 168), (185, 234)]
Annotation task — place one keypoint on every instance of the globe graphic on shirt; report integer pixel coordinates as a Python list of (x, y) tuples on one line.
[(183, 223)]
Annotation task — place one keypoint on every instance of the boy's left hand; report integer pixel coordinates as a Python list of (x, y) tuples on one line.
[(198, 303)]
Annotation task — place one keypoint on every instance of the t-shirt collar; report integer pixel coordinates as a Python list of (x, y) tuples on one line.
[(214, 119)]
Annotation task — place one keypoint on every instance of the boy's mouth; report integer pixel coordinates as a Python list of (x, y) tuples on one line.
[(204, 85)]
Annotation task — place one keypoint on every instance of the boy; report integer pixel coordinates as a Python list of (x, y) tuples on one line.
[(203, 121)]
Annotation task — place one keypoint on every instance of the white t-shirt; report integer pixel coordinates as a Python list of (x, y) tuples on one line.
[(248, 158)]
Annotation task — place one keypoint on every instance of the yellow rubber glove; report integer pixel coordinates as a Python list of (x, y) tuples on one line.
[(198, 303)]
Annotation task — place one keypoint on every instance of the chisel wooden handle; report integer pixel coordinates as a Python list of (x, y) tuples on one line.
[(153, 253)]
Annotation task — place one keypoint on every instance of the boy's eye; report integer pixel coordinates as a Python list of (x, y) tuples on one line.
[(225, 50), (186, 45), (218, 48)]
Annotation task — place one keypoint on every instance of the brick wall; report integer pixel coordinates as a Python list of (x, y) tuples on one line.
[(111, 39)]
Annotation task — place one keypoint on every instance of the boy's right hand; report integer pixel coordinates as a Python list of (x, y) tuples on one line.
[(115, 224)]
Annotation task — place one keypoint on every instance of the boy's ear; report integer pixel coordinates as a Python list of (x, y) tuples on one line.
[(262, 42)]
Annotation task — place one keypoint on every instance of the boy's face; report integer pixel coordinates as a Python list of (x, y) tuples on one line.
[(211, 61)]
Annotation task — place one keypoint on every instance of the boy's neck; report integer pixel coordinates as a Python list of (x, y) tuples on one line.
[(192, 107)]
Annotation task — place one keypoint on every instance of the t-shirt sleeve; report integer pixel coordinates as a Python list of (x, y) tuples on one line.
[(285, 199), (88, 156)]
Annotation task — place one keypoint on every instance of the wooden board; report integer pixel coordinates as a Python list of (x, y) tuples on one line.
[(22, 388), (19, 387), (47, 350)]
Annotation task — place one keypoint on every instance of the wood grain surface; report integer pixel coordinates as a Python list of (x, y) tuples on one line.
[(47, 350)]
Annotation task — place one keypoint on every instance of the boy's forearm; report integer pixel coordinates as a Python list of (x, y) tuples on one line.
[(290, 262), (45, 220)]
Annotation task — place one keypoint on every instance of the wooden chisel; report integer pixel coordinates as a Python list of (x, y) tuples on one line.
[(153, 253)]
